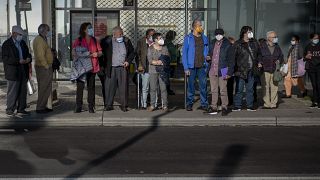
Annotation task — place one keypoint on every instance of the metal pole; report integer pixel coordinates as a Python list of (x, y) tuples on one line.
[(8, 18), (255, 17), (18, 15), (27, 30), (186, 32), (218, 14)]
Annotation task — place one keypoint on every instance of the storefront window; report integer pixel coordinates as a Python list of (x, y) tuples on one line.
[(74, 4)]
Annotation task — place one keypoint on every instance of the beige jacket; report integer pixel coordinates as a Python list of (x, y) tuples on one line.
[(42, 52)]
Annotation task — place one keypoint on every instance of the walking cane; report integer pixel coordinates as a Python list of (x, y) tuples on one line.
[(185, 90), (138, 89)]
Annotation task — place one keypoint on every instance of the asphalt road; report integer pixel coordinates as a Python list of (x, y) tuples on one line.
[(161, 152)]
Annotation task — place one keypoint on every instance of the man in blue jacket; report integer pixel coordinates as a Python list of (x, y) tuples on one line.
[(195, 50)]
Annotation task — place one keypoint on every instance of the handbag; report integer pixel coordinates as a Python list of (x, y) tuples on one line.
[(284, 69), (277, 76), (301, 67), (31, 87)]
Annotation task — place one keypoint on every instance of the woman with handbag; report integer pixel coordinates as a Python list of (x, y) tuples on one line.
[(293, 78), (87, 41)]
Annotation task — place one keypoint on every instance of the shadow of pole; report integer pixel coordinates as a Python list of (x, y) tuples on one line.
[(230, 161), (115, 151)]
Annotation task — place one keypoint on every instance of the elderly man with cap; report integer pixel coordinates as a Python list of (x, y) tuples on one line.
[(221, 69), (16, 60)]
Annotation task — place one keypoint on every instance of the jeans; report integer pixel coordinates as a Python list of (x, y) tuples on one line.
[(145, 78), (240, 84), (315, 81), (202, 77)]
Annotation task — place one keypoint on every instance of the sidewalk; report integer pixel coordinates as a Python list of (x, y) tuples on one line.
[(291, 112)]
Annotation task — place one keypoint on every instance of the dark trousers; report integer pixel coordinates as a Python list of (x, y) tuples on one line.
[(315, 81), (230, 87), (102, 80), (118, 80), (90, 78), (17, 95)]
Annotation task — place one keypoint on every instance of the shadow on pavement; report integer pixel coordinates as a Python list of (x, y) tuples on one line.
[(115, 151), (232, 157), (11, 164)]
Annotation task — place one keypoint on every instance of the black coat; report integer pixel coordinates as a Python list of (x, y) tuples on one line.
[(241, 55), (107, 48), (14, 71)]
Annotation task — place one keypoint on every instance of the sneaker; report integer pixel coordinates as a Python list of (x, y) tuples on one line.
[(23, 112), (236, 109), (108, 108), (313, 105), (224, 112), (10, 113), (91, 110), (212, 111), (251, 109), (78, 110), (203, 108)]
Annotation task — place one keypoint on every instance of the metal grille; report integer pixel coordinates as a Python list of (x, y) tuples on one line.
[(109, 3), (161, 3), (162, 21), (127, 22)]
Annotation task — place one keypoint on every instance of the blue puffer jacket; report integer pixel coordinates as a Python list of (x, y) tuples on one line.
[(188, 51)]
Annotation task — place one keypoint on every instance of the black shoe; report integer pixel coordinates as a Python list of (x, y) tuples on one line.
[(123, 109), (224, 112), (142, 108), (236, 109), (78, 110), (313, 105), (108, 108), (10, 113), (189, 108), (49, 110), (203, 108), (285, 96), (91, 110), (23, 112), (251, 109), (170, 92), (43, 111), (212, 111), (264, 107)]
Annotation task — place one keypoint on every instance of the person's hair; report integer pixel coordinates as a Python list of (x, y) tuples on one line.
[(244, 30), (269, 32), (42, 28), (194, 22), (83, 28), (171, 35), (116, 29), (149, 30), (296, 37), (312, 35), (155, 36)]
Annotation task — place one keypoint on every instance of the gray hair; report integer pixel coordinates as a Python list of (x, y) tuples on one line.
[(42, 28), (195, 21), (269, 32), (117, 29)]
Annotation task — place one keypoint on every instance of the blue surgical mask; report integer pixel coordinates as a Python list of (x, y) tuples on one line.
[(90, 32), (120, 39), (315, 41), (49, 34), (19, 38)]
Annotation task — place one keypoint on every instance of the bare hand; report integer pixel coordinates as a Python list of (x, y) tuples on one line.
[(125, 64), (308, 56), (28, 60), (187, 72), (140, 69), (95, 54), (226, 77), (259, 65), (208, 58)]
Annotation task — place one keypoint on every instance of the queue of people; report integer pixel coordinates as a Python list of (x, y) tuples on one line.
[(232, 66)]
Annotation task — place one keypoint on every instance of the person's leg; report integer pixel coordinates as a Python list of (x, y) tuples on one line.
[(191, 87), (22, 99), (318, 86), (300, 84), (202, 76), (123, 86), (214, 86), (230, 87), (288, 85), (102, 79), (145, 89), (313, 80), (153, 89), (223, 93), (274, 92), (164, 94), (249, 90), (44, 78), (110, 87), (239, 93), (12, 95), (265, 82), (91, 89)]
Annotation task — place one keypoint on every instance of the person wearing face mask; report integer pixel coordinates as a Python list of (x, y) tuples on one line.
[(16, 59), (312, 58), (292, 78), (118, 53), (43, 66), (271, 54), (87, 41), (221, 69), (155, 52), (246, 51), (143, 68), (174, 55), (194, 52)]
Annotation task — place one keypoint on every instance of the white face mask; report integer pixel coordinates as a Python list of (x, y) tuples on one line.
[(120, 39), (293, 43), (315, 41), (219, 37), (250, 35), (161, 42), (150, 39), (275, 40), (19, 38)]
